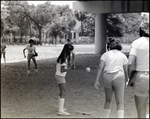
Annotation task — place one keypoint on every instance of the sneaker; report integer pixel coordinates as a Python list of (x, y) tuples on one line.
[(63, 113), (64, 109)]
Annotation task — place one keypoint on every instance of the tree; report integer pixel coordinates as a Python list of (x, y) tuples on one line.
[(89, 25), (114, 25), (62, 23), (80, 17), (39, 15), (4, 15)]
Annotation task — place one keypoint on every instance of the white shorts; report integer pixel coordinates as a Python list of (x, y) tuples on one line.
[(116, 79), (30, 56), (60, 79), (141, 85)]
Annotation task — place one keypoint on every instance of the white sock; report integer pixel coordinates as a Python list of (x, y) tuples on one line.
[(58, 102), (61, 104), (107, 113), (147, 116), (120, 113)]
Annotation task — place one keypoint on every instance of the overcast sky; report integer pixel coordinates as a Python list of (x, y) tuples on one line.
[(52, 2)]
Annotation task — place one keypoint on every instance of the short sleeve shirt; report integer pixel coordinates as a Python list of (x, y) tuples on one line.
[(140, 49), (114, 60), (30, 49), (58, 69)]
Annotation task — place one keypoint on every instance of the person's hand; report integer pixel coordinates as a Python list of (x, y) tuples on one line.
[(126, 84), (67, 68), (131, 83), (36, 54), (97, 85)]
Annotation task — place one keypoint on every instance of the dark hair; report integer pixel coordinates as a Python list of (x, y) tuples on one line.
[(142, 33), (65, 53), (31, 41), (113, 44)]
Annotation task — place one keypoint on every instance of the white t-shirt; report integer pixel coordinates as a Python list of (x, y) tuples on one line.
[(140, 49), (30, 49), (58, 69), (114, 61)]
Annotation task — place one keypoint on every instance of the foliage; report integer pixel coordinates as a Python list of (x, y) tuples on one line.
[(4, 15), (20, 18), (124, 26), (80, 17), (130, 28), (114, 25), (59, 19), (63, 23), (89, 25)]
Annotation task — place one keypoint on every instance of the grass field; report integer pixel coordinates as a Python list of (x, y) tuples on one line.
[(15, 53)]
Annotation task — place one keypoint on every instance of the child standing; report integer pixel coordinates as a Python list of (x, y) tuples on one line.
[(112, 73), (31, 55), (62, 67)]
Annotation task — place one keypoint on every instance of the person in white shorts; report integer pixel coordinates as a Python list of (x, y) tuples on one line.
[(31, 55), (139, 68), (112, 75), (62, 67)]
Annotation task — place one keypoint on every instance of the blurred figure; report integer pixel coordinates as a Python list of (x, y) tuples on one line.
[(138, 67), (31, 55)]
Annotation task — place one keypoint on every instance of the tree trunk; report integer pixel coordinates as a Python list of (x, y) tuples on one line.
[(10, 36), (81, 29), (55, 40), (30, 29), (21, 34), (40, 38)]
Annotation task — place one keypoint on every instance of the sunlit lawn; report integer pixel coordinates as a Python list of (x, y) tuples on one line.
[(15, 53)]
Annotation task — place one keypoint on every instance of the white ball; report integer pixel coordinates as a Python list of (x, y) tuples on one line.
[(88, 69)]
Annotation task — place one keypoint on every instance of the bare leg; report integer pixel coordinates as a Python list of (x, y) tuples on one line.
[(109, 94), (34, 61), (61, 101), (140, 103), (28, 65), (119, 96), (4, 58), (62, 88)]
